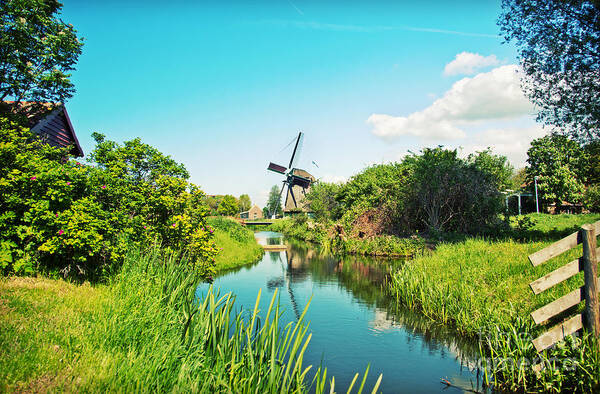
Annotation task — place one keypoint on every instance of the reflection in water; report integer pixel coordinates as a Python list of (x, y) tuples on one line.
[(354, 322)]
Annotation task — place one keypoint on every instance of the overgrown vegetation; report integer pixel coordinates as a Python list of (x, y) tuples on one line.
[(236, 244), (78, 220), (147, 331), (480, 287)]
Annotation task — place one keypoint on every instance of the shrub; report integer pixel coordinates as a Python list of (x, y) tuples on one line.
[(61, 215), (591, 198)]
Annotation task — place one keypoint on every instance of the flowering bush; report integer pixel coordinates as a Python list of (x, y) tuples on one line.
[(61, 215)]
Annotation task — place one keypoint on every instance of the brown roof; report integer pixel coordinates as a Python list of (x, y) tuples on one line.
[(51, 121)]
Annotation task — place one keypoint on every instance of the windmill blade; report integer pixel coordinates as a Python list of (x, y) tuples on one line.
[(291, 190), (276, 168), (297, 149)]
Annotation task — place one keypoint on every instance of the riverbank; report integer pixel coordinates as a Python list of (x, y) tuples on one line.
[(331, 237), (480, 285), (237, 245), (140, 333)]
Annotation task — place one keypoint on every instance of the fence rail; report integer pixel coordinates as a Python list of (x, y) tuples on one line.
[(588, 263)]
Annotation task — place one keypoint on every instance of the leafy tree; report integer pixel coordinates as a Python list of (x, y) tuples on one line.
[(592, 163), (518, 178), (559, 48), (37, 51), (450, 194), (496, 167), (375, 186), (228, 206), (81, 219), (322, 200), (274, 202), (557, 162), (245, 203)]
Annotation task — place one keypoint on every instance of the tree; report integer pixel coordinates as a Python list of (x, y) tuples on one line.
[(244, 202), (556, 161), (559, 48), (592, 158), (37, 50), (497, 167), (450, 194), (274, 202), (322, 200), (228, 206)]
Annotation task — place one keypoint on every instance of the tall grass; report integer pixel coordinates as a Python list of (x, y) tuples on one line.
[(151, 333), (237, 245), (481, 288), (174, 341)]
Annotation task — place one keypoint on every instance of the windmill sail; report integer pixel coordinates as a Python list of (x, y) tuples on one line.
[(276, 168), (297, 149)]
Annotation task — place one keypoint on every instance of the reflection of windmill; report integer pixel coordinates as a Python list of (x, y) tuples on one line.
[(274, 282), (297, 180)]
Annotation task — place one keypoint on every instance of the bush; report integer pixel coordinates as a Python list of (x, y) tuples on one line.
[(449, 194), (61, 215), (591, 198)]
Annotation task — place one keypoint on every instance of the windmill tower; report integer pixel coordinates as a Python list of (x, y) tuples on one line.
[(297, 180)]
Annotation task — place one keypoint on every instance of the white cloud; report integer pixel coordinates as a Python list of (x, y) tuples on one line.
[(493, 95), (468, 63), (329, 178), (512, 142)]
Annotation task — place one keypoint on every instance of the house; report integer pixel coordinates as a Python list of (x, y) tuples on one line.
[(51, 122), (253, 213)]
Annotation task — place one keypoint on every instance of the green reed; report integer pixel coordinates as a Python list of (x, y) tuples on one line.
[(161, 337)]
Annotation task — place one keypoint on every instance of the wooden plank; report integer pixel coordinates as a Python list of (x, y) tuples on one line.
[(590, 272), (274, 247), (559, 275), (557, 333), (557, 306), (555, 277), (557, 248)]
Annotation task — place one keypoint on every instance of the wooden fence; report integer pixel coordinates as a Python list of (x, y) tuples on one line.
[(588, 263)]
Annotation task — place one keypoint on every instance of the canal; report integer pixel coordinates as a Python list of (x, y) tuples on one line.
[(353, 320)]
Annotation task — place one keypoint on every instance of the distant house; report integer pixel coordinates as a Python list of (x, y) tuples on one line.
[(51, 122), (253, 213)]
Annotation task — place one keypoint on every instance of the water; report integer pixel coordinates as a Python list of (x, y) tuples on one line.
[(352, 320)]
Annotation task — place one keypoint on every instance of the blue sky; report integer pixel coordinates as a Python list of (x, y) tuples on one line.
[(223, 88)]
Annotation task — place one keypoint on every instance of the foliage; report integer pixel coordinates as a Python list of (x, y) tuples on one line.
[(376, 186), (237, 245), (450, 194), (228, 206), (37, 50), (591, 198), (558, 163), (148, 331), (496, 167), (322, 200), (559, 48), (244, 203), (274, 202), (592, 165), (518, 178), (80, 219)]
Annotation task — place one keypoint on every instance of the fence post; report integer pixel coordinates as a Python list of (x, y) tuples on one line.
[(590, 272)]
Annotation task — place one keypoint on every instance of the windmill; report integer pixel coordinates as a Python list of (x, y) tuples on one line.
[(297, 180)]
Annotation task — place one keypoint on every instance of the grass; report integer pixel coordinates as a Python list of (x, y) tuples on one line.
[(325, 235), (237, 245), (146, 331), (482, 286)]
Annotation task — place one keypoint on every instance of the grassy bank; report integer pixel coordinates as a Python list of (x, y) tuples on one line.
[(328, 236), (144, 331), (237, 245), (482, 286)]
